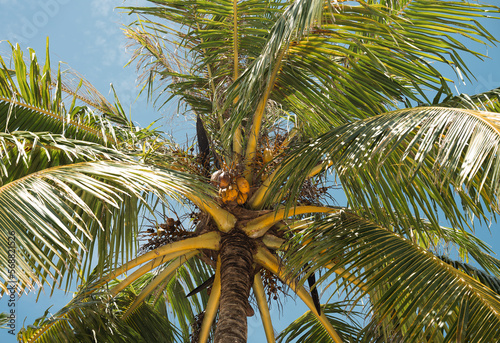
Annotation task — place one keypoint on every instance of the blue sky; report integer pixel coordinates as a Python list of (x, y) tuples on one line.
[(86, 35)]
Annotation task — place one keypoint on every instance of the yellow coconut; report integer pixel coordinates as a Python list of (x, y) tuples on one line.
[(268, 155), (242, 198), (231, 194), (243, 185)]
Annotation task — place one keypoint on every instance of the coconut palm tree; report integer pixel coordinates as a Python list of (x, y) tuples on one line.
[(282, 93)]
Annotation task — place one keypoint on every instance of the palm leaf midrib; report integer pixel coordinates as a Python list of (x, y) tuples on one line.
[(4, 102)]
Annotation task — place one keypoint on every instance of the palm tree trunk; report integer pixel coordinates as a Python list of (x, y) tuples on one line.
[(236, 256)]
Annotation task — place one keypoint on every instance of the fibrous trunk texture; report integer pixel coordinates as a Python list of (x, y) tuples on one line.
[(236, 279)]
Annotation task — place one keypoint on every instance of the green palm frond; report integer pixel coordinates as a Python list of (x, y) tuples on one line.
[(306, 328), (29, 81), (23, 153), (350, 64), (485, 278), (4, 320), (74, 211), (32, 99), (185, 309), (335, 70), (445, 240), (258, 80), (55, 191), (189, 49), (466, 244), (74, 85), (97, 318), (440, 241), (153, 320), (17, 116), (410, 161), (407, 284), (486, 101)]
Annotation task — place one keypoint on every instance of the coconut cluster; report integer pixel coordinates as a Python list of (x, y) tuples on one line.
[(231, 188)]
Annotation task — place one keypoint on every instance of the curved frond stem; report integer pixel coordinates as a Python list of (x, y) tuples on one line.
[(209, 240), (158, 280), (289, 138), (260, 295), (253, 137), (225, 220), (259, 197), (266, 259), (319, 168), (272, 241), (212, 306), (237, 143), (6, 103), (235, 39), (143, 270), (259, 226)]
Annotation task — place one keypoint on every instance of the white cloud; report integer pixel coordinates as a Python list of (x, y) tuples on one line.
[(102, 8), (108, 28), (100, 40)]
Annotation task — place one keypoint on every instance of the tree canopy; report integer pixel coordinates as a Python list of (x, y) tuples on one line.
[(286, 96)]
